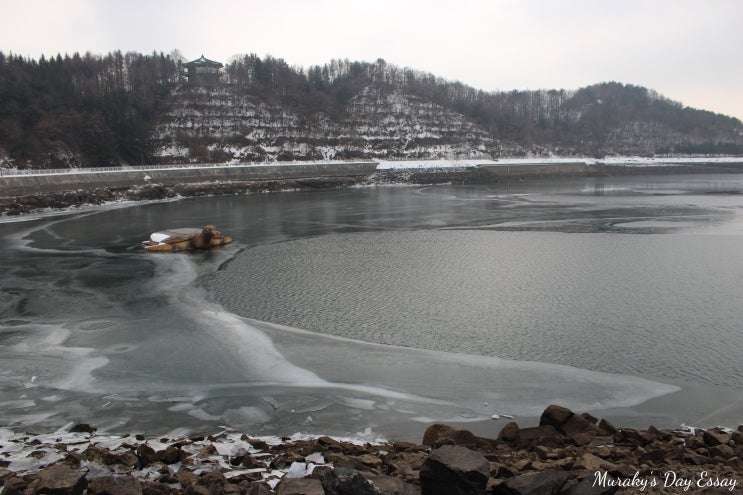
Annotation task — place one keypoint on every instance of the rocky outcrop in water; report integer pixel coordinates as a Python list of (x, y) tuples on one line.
[(567, 453)]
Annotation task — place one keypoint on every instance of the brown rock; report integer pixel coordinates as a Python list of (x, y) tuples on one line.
[(438, 434), (654, 456), (14, 486), (388, 485), (723, 451), (623, 471), (146, 455), (109, 458), (152, 488), (607, 426), (713, 438), (259, 489), (696, 459), (114, 485), (199, 490), (509, 433), (522, 465), (341, 481), (212, 479), (588, 486), (186, 478), (578, 424), (328, 443), (57, 480), (73, 459), (543, 452), (581, 439), (249, 462), (695, 442), (407, 465), (170, 455), (629, 435), (555, 416), (83, 428), (256, 443), (590, 462), (590, 417), (299, 486), (532, 436)]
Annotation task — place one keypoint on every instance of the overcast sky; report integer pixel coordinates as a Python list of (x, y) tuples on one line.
[(688, 50)]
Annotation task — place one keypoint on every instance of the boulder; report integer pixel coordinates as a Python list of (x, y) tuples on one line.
[(538, 435), (153, 488), (509, 433), (555, 416), (544, 483), (590, 462), (438, 434), (454, 470), (343, 481), (300, 486), (146, 455), (83, 428), (170, 455), (13, 485), (713, 438), (114, 485), (607, 426), (578, 424), (109, 458), (389, 485), (568, 423), (723, 451), (259, 489), (588, 486), (57, 480)]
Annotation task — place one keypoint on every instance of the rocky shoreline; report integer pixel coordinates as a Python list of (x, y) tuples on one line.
[(11, 205), (18, 205), (568, 453)]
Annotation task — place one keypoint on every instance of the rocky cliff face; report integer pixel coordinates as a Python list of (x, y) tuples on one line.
[(218, 123)]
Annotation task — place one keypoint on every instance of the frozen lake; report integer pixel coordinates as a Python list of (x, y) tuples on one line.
[(373, 311)]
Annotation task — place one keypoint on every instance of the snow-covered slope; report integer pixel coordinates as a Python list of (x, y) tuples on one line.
[(219, 124)]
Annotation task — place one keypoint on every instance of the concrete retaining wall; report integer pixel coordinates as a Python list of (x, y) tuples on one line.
[(35, 184), (529, 169)]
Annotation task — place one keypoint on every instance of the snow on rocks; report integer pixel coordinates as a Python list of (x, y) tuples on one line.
[(558, 456)]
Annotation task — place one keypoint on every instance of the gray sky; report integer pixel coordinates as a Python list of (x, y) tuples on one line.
[(688, 50)]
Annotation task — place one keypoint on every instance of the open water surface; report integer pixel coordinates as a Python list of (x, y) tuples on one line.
[(363, 310)]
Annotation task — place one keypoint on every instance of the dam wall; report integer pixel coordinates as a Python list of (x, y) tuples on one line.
[(42, 182)]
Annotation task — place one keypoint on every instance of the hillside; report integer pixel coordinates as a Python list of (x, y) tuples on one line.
[(133, 109)]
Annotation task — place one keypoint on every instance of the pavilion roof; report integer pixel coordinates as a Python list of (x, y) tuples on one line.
[(203, 61)]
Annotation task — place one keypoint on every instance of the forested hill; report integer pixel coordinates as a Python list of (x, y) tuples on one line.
[(132, 109)]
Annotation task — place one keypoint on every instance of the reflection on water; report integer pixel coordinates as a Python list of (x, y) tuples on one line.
[(546, 274)]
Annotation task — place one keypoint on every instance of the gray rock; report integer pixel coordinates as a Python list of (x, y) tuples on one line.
[(544, 483), (589, 487), (389, 485), (344, 481), (299, 486), (114, 485), (454, 470)]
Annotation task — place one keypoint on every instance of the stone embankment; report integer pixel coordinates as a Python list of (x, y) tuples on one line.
[(570, 454), (26, 203), (24, 194)]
